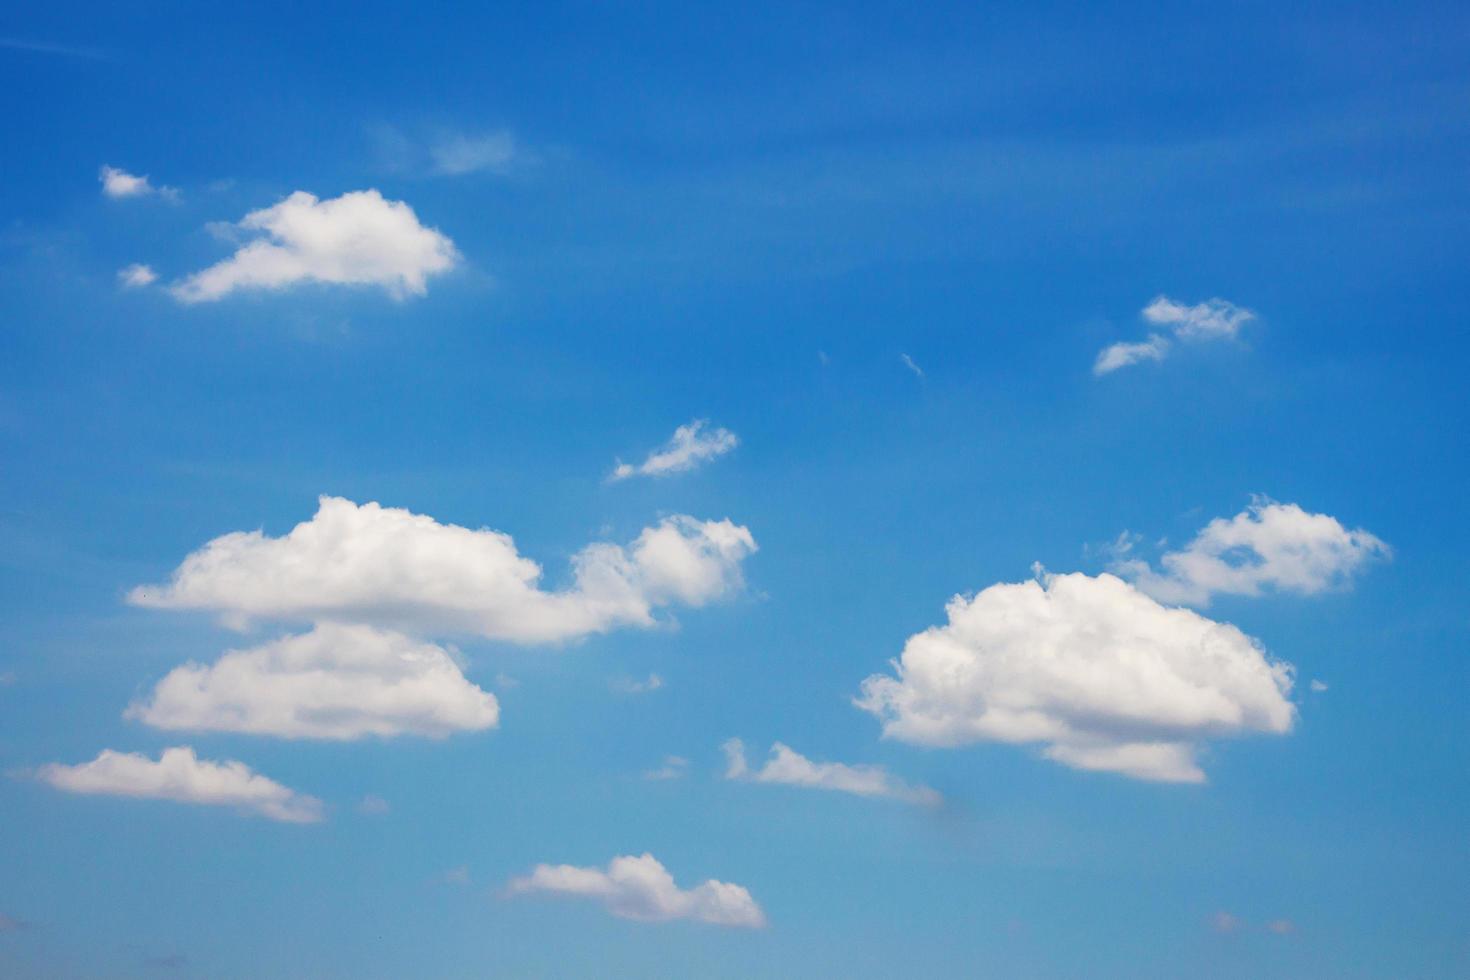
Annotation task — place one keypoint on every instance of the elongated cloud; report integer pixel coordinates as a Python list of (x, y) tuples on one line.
[(390, 568), (791, 768), (1266, 547), (640, 888), (1097, 672), (181, 776), (691, 445), (1214, 319), (336, 682), (1121, 355), (358, 239), (119, 183)]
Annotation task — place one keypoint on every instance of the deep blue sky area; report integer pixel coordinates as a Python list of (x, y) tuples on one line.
[(885, 249)]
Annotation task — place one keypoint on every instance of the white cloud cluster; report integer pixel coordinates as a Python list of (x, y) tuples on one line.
[(388, 567), (1100, 673), (690, 446), (1266, 546), (360, 238), (136, 276), (118, 183), (640, 888), (1214, 319), (336, 682), (366, 575), (791, 768), (181, 776)]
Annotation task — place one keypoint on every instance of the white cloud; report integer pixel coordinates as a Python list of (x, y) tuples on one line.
[(674, 767), (626, 685), (136, 276), (1266, 546), (1121, 355), (180, 776), (1214, 319), (1225, 923), (360, 238), (640, 888), (335, 682), (373, 805), (119, 183), (1211, 320), (1318, 686), (457, 154), (794, 769), (908, 362), (1099, 673), (388, 567), (690, 446)]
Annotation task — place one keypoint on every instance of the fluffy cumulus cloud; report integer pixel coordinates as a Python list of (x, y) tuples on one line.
[(1214, 319), (1267, 546), (640, 888), (394, 569), (335, 682), (359, 239), (692, 445), (181, 776), (136, 276), (118, 183), (791, 768), (1091, 668)]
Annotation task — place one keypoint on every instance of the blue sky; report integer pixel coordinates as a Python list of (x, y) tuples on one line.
[(881, 254)]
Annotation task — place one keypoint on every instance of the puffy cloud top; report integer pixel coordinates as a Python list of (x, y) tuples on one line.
[(1100, 673), (640, 888), (336, 682), (388, 567), (181, 776), (360, 239), (118, 183), (1266, 546)]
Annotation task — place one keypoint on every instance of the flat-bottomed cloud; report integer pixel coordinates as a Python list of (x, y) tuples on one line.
[(791, 768), (1096, 671), (390, 568), (358, 239), (336, 682), (640, 888), (690, 446), (181, 776)]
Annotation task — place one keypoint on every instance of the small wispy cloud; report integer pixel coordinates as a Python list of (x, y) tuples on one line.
[(908, 362), (373, 805), (458, 154), (794, 769), (46, 47), (674, 767), (1317, 686), (1213, 319), (627, 685), (136, 276), (118, 183), (690, 446)]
